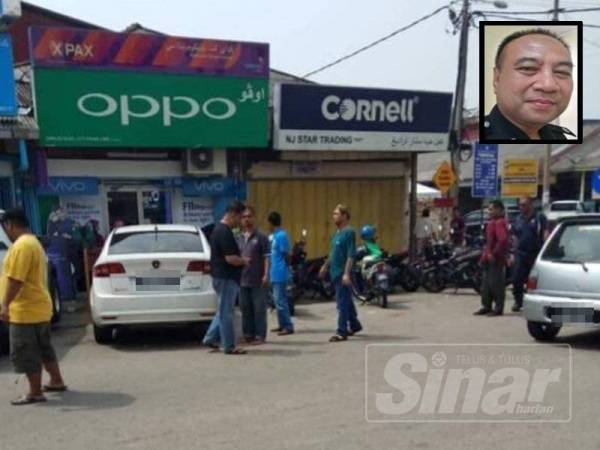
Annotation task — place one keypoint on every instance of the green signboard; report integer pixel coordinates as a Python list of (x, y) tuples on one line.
[(85, 108)]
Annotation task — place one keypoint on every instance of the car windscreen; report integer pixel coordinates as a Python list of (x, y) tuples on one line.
[(155, 242), (563, 207), (575, 242)]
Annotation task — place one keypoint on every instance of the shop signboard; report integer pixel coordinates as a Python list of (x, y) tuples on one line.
[(316, 117), (197, 211), (520, 178), (8, 99), (83, 108), (82, 209), (99, 89), (209, 187), (69, 186)]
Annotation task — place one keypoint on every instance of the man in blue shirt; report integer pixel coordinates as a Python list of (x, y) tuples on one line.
[(339, 265), (529, 231), (280, 249)]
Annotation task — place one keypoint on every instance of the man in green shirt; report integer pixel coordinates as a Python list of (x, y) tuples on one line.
[(339, 264)]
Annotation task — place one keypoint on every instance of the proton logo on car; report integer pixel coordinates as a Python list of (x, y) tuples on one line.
[(98, 104), (335, 108), (156, 264)]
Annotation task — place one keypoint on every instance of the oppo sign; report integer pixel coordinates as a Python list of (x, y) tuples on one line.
[(143, 107), (334, 108)]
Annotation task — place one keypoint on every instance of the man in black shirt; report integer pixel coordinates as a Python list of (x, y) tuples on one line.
[(226, 267), (533, 83)]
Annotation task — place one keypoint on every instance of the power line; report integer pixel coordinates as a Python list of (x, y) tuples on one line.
[(561, 10), (375, 43)]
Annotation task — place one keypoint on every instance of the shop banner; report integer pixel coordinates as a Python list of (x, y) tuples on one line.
[(69, 186), (311, 117), (71, 47), (82, 209), (209, 187), (8, 96), (85, 108)]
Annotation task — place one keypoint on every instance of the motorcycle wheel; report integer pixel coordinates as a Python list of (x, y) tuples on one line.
[(410, 280), (434, 282)]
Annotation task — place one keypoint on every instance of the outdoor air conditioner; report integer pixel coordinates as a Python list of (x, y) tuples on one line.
[(205, 161)]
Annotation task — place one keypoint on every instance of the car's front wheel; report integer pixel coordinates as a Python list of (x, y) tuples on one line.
[(543, 331), (103, 335)]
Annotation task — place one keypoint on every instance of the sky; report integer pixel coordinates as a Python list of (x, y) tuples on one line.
[(305, 35)]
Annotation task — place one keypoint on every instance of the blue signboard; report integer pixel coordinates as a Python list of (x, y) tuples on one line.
[(596, 182), (208, 187), (485, 171), (8, 100), (69, 186), (310, 117)]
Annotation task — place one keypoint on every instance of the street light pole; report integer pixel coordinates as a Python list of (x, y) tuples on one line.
[(546, 185), (456, 121)]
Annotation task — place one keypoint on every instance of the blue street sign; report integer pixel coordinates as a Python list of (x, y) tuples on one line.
[(8, 99), (596, 181), (485, 171)]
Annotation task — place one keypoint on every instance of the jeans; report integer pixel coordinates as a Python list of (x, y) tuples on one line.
[(493, 287), (221, 328), (64, 280), (282, 305), (347, 316), (521, 271), (253, 303)]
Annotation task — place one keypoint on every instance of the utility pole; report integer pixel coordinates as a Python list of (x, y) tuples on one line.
[(456, 120), (546, 186)]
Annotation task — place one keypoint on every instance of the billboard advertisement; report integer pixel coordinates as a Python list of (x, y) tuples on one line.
[(76, 48), (81, 108), (312, 117), (94, 88)]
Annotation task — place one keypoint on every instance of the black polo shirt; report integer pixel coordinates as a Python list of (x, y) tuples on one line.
[(498, 127)]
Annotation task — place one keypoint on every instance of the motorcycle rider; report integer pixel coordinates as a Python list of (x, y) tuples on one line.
[(367, 234)]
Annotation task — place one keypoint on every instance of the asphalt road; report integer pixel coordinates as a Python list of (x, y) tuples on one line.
[(159, 389)]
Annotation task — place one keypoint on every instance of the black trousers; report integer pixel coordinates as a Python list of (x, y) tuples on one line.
[(493, 289), (521, 270)]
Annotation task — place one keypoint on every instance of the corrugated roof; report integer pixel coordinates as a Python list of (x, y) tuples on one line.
[(24, 125)]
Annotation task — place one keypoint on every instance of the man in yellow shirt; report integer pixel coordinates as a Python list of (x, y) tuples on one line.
[(26, 305)]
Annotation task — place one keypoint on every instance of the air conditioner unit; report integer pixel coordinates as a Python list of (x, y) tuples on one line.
[(205, 161)]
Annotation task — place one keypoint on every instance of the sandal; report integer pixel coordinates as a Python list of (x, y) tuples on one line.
[(28, 400), (50, 388), (236, 351), (338, 338)]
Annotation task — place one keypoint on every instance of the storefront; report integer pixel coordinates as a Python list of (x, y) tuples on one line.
[(155, 115), (351, 146)]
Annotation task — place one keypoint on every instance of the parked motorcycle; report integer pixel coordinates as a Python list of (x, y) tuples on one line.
[(460, 270), (403, 273)]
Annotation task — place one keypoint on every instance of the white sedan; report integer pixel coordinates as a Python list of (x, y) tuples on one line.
[(152, 275)]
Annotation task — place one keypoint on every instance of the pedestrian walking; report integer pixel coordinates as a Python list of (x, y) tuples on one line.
[(528, 230), (493, 261), (254, 289), (27, 307), (226, 265), (280, 254), (457, 228), (339, 265)]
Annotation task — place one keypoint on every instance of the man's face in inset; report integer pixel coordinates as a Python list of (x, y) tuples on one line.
[(533, 81)]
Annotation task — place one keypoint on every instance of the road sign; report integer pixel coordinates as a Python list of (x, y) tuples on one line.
[(485, 171), (444, 177), (596, 185), (520, 178)]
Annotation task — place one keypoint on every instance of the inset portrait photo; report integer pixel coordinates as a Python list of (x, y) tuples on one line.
[(530, 82)]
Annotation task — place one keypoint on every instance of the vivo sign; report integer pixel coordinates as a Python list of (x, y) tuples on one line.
[(334, 108), (208, 187), (65, 186), (144, 106)]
